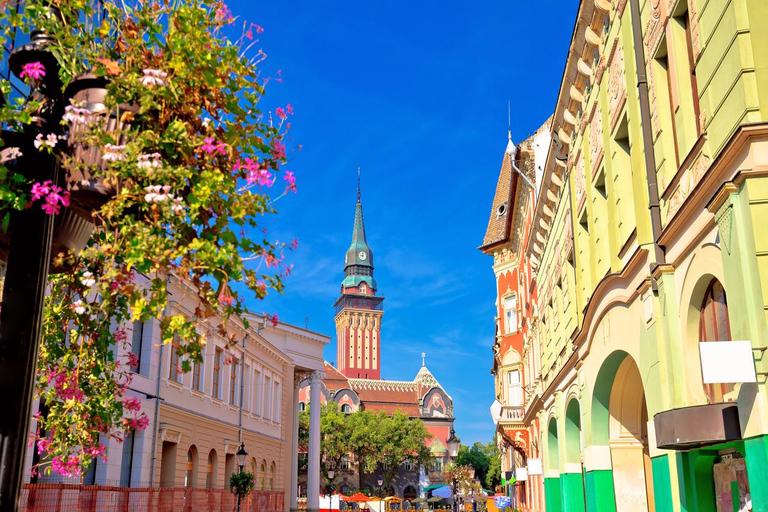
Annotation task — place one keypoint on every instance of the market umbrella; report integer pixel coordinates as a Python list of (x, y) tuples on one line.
[(434, 499), (443, 492), (418, 500), (359, 497)]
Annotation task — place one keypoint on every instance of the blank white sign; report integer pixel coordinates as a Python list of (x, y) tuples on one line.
[(496, 411), (534, 467), (521, 474), (727, 362)]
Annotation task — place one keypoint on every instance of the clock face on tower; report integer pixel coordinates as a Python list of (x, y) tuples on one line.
[(362, 255)]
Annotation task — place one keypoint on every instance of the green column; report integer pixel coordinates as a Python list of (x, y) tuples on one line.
[(757, 471), (662, 485), (696, 481), (572, 492), (552, 495), (599, 490)]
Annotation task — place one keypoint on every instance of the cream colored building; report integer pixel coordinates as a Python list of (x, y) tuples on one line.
[(243, 392)]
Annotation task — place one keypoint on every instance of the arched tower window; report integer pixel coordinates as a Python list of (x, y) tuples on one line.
[(715, 326)]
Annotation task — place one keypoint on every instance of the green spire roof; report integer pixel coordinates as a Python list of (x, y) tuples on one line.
[(358, 262)]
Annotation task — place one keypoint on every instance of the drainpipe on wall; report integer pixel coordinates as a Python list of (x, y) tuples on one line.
[(645, 119)]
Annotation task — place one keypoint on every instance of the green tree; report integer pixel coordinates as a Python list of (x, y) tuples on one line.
[(401, 439), (477, 457), (493, 476)]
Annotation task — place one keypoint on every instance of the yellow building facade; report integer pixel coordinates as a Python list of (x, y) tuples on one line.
[(650, 240)]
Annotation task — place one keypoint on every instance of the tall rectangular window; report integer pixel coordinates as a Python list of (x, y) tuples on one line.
[(276, 402), (197, 376), (174, 372), (233, 382), (267, 398), (216, 390), (510, 314), (515, 388), (257, 393), (137, 344)]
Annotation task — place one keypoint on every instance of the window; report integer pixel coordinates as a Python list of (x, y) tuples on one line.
[(345, 464), (272, 470), (257, 393), (233, 382), (346, 409), (197, 376), (515, 388), (276, 402), (137, 344), (190, 476), (210, 470), (510, 314), (174, 372), (216, 390), (267, 398), (126, 464), (302, 406), (408, 466), (262, 474), (715, 326)]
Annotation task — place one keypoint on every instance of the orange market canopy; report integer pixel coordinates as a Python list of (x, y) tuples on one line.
[(359, 497)]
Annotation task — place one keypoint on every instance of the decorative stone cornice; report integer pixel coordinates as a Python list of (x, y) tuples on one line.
[(383, 385)]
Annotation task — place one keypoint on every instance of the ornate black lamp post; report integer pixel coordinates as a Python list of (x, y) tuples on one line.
[(241, 455), (380, 481), (31, 234), (331, 473), (454, 443)]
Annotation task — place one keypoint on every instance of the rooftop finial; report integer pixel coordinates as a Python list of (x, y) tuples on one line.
[(358, 184), (509, 120), (423, 356)]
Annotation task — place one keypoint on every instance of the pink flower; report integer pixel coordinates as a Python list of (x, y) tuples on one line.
[(254, 173), (295, 243), (153, 77), (73, 113), (53, 195), (113, 153), (280, 112), (274, 319), (40, 190), (291, 179), (148, 162), (223, 13), (33, 70), (278, 150), (289, 109), (210, 146), (132, 404)]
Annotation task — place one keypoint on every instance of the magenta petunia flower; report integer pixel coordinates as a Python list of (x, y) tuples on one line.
[(33, 70)]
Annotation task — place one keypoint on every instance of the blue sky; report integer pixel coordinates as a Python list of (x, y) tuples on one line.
[(416, 94)]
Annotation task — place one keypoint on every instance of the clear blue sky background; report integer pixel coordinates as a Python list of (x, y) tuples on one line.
[(416, 94)]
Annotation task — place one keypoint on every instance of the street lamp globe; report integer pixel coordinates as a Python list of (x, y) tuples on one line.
[(453, 444), (241, 455), (331, 472), (380, 481)]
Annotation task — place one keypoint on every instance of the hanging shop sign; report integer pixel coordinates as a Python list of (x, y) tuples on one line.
[(535, 467), (521, 474), (727, 362), (520, 438)]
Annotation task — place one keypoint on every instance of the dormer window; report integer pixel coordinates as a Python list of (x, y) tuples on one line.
[(362, 288), (501, 210)]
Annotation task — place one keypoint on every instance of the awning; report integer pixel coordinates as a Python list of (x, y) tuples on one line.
[(697, 426), (433, 487), (443, 492)]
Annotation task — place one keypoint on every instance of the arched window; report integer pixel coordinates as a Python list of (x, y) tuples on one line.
[(190, 477), (253, 467), (346, 409), (302, 406), (272, 470), (714, 326), (262, 475), (210, 470)]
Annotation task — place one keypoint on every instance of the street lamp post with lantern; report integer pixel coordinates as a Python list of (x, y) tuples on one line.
[(331, 474), (241, 455), (454, 443), (380, 481)]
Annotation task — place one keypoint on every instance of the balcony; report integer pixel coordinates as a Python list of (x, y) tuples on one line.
[(512, 413)]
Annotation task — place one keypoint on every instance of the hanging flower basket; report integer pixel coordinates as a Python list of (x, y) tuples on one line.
[(85, 177)]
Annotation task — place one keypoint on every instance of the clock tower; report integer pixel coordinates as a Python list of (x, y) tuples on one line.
[(358, 308)]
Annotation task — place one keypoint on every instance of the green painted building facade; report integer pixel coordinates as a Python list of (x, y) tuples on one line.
[(650, 237)]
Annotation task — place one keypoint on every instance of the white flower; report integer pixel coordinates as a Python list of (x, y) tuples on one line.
[(87, 279), (73, 113), (158, 193), (79, 307), (150, 162), (177, 207), (153, 77), (50, 140), (113, 153)]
